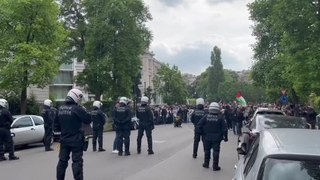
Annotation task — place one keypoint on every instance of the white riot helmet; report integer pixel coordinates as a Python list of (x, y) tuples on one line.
[(4, 103), (214, 107), (200, 101), (47, 102), (97, 104), (75, 94), (144, 99), (123, 100)]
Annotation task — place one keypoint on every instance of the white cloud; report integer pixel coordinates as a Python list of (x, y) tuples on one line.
[(193, 27)]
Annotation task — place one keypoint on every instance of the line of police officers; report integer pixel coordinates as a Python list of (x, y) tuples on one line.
[(70, 117)]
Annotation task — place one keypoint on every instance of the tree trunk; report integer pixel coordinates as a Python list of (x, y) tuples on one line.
[(23, 95), (23, 99)]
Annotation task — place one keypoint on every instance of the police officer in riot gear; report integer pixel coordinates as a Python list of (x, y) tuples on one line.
[(195, 118), (123, 126), (145, 116), (98, 121), (214, 128), (5, 134), (69, 122), (48, 117)]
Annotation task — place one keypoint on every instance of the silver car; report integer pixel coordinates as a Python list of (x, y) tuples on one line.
[(27, 129), (281, 154)]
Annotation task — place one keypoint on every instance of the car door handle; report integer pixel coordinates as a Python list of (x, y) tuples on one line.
[(32, 129)]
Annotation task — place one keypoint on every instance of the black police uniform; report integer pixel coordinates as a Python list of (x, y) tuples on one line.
[(5, 134), (69, 122), (123, 127), (214, 128), (145, 116), (48, 117), (98, 121), (195, 118)]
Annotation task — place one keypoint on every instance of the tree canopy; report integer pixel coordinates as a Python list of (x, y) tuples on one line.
[(31, 39)]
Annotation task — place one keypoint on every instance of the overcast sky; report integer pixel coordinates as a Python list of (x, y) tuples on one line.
[(185, 32)]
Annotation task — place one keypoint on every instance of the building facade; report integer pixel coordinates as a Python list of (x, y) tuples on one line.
[(149, 69)]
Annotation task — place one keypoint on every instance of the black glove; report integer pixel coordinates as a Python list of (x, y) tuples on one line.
[(152, 127), (225, 139)]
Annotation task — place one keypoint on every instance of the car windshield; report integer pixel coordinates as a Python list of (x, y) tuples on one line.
[(276, 169), (283, 123)]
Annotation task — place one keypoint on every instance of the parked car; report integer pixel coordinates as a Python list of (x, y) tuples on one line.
[(265, 111), (286, 154), (27, 129), (269, 121), (262, 122)]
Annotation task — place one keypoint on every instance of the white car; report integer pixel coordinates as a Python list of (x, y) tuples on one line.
[(27, 129)]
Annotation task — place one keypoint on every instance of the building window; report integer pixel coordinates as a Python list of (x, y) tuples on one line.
[(59, 93), (64, 77), (67, 66)]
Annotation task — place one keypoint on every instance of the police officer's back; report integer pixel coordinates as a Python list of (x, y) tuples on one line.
[(98, 121), (5, 134), (214, 128), (196, 116), (69, 123), (123, 125), (48, 117), (145, 116)]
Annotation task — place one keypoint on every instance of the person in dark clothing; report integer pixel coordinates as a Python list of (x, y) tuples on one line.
[(311, 117), (240, 118), (123, 126), (227, 115), (98, 121), (234, 120), (214, 128), (145, 116), (185, 114), (164, 115), (5, 134), (116, 138), (48, 116), (69, 122), (195, 118)]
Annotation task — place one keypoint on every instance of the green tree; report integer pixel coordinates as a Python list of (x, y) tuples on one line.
[(170, 85), (72, 13), (287, 49), (215, 74), (31, 39), (116, 37)]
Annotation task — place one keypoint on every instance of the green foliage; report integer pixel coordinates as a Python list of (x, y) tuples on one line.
[(31, 41), (115, 38), (287, 49), (215, 75), (170, 85)]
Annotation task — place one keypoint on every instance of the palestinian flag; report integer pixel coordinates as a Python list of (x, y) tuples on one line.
[(240, 99)]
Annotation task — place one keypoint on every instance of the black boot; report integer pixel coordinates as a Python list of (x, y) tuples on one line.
[(150, 152), (13, 158), (215, 165), (206, 163), (2, 158)]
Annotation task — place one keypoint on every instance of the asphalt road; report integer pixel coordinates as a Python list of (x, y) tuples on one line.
[(172, 160)]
